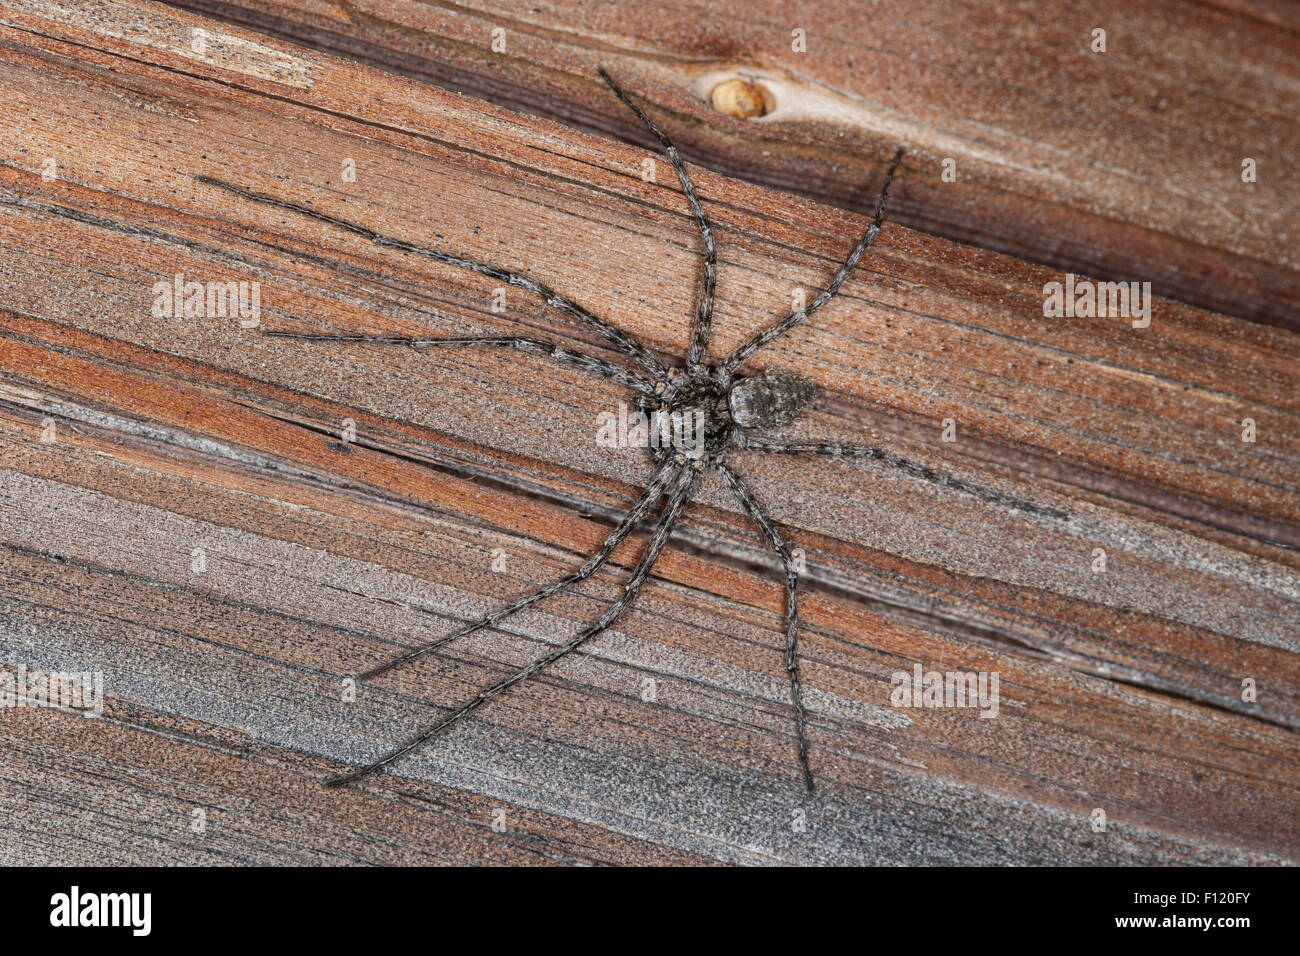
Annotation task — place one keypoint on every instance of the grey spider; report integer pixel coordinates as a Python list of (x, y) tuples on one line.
[(734, 408)]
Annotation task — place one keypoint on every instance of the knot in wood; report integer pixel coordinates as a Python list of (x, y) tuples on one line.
[(742, 99)]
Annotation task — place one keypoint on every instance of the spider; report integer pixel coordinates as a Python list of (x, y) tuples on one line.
[(734, 407)]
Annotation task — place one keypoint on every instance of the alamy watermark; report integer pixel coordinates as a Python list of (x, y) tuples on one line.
[(75, 909), (1085, 299), (931, 688), (79, 691), (176, 298), (680, 429)]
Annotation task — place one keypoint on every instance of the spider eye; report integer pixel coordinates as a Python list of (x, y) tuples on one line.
[(773, 397)]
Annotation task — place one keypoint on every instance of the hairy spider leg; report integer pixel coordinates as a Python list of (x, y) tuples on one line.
[(777, 329), (561, 354), (761, 518), (593, 564), (702, 329), (658, 539), (626, 343), (839, 450)]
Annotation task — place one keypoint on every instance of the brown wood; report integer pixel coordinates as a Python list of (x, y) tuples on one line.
[(1121, 691), (1124, 164)]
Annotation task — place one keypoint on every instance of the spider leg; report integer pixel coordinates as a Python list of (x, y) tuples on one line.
[(760, 517), (658, 539), (565, 356), (838, 450), (777, 329), (702, 330), (626, 343), (589, 567)]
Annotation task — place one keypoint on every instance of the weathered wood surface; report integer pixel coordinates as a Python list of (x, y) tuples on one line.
[(1119, 691), (1124, 164)]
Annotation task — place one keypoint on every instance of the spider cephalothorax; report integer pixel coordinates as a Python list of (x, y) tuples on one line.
[(728, 409)]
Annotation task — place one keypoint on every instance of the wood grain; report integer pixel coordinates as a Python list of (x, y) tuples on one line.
[(1125, 164), (1121, 691)]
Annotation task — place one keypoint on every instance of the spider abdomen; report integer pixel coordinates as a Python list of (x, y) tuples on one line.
[(772, 397)]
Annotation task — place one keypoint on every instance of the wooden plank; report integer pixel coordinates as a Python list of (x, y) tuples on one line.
[(1125, 164), (1120, 691)]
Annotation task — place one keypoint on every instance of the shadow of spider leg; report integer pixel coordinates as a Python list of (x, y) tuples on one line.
[(917, 470), (672, 512), (760, 517), (559, 353)]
